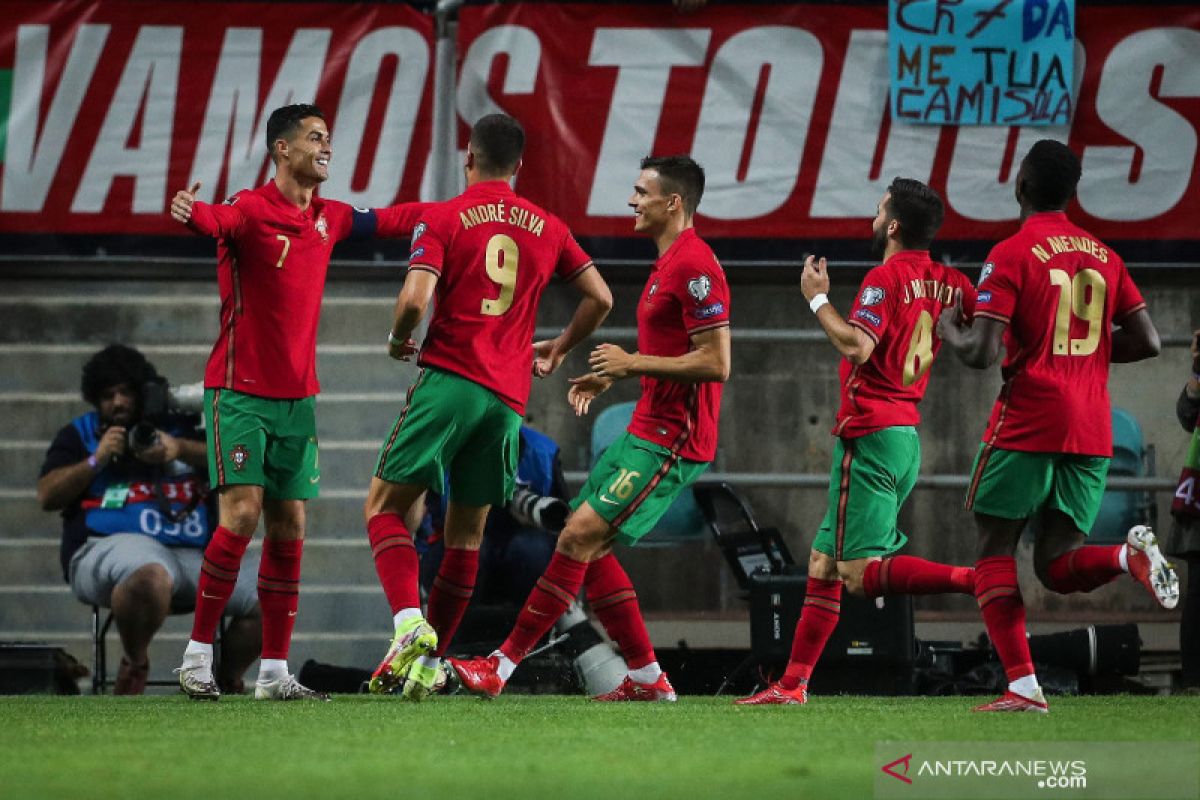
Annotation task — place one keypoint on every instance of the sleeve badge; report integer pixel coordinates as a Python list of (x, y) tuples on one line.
[(699, 288), (871, 296)]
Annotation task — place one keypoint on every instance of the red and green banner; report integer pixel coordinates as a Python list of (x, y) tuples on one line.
[(112, 105), (116, 104)]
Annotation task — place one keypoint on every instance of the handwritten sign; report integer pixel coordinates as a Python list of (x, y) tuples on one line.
[(981, 62)]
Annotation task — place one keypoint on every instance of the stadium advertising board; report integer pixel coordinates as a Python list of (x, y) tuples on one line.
[(116, 104), (786, 108)]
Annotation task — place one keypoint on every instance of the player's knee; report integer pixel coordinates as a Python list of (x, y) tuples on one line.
[(150, 584), (579, 542), (241, 514)]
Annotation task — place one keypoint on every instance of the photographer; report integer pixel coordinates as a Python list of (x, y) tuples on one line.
[(129, 479), (1184, 539)]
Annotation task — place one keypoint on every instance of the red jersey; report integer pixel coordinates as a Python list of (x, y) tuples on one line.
[(272, 260), (493, 253), (685, 295), (1059, 290), (897, 306)]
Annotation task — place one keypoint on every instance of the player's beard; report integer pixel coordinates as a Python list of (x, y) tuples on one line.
[(879, 242)]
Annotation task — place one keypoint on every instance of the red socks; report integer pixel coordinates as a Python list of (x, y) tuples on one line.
[(999, 598), (395, 560), (1084, 568), (218, 575), (554, 591), (818, 618), (911, 575), (279, 594), (451, 593), (613, 601)]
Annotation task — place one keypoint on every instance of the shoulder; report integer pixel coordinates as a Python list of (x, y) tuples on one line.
[(883, 278)]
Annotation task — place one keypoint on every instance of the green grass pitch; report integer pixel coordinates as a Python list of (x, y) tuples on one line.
[(515, 747)]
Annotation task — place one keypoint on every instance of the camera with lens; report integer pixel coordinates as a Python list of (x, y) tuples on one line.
[(539, 511), (162, 408)]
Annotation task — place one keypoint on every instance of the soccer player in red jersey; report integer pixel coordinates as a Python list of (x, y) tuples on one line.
[(887, 345), (1052, 292), (682, 361), (273, 250), (487, 255)]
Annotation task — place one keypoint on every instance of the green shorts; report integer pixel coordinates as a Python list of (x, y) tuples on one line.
[(634, 483), (1013, 484), (261, 441), (453, 431), (871, 478)]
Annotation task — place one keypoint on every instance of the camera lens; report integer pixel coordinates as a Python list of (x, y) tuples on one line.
[(141, 436)]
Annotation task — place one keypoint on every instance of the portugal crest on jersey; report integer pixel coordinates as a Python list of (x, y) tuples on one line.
[(699, 288), (240, 456), (322, 227)]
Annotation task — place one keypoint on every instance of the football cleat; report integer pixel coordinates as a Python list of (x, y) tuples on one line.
[(776, 695), (1011, 701), (286, 688), (479, 675), (1148, 566), (413, 638), (196, 678), (630, 690), (423, 681)]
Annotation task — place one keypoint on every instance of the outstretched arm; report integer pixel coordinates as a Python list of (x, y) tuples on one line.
[(592, 309), (203, 218)]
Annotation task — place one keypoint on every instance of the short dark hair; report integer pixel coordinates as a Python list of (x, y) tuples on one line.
[(497, 140), (1051, 174), (919, 211), (113, 366), (284, 120), (679, 175)]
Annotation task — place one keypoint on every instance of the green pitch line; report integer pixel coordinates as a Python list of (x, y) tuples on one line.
[(522, 747), (5, 109)]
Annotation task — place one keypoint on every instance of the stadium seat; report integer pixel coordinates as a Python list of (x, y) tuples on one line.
[(683, 522), (100, 652), (746, 547), (1120, 510)]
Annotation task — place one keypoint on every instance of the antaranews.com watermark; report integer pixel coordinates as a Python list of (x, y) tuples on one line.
[(1018, 770)]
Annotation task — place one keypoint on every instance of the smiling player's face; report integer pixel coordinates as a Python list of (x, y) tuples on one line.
[(649, 203), (310, 150)]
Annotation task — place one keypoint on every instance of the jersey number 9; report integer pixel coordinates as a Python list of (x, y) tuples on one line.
[(501, 257)]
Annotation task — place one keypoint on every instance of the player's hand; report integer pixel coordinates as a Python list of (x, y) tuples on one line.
[(402, 351), (112, 444), (814, 280), (952, 319), (181, 204), (610, 361), (546, 358), (164, 450), (584, 390)]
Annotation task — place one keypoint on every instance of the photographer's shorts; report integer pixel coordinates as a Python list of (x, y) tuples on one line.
[(105, 561), (871, 477), (260, 441), (1013, 484), (455, 437), (634, 483)]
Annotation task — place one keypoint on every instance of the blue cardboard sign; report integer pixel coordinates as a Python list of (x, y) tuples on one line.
[(981, 62)]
